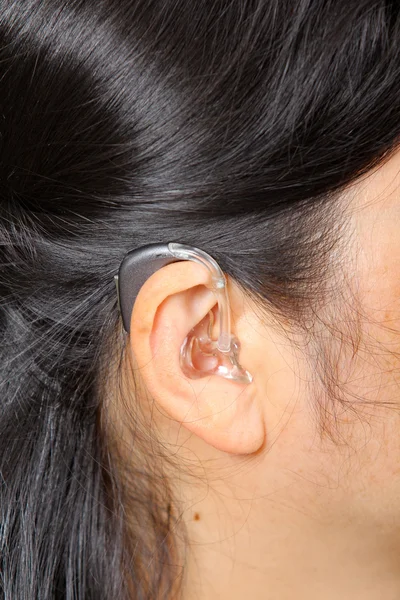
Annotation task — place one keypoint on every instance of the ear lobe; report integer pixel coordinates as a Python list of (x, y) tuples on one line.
[(222, 412)]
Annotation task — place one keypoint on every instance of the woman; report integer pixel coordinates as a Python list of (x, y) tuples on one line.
[(264, 133)]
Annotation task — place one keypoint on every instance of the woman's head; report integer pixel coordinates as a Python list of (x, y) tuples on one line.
[(264, 134)]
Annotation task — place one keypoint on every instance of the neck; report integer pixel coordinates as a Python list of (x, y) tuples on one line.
[(291, 542)]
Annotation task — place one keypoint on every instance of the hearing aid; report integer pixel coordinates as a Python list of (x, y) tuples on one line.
[(139, 264)]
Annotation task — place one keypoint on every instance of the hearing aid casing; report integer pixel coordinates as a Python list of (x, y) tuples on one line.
[(219, 356)]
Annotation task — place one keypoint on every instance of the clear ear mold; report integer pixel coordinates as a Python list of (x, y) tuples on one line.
[(200, 355)]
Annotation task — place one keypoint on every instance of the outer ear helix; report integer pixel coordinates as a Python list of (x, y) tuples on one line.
[(200, 355)]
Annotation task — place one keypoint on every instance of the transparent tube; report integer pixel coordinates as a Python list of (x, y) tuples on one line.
[(218, 282), (219, 357)]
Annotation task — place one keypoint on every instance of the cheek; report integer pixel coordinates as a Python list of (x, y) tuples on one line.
[(378, 273), (372, 386), (373, 389)]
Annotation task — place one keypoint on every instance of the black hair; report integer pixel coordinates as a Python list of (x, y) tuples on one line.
[(230, 126)]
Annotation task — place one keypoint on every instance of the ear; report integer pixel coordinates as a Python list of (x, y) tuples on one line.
[(222, 412)]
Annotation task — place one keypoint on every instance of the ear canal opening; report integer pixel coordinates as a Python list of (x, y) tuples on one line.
[(200, 355)]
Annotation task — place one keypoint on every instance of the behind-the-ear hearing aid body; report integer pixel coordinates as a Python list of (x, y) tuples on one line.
[(139, 264)]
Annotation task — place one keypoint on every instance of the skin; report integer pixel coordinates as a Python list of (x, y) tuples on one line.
[(276, 505)]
